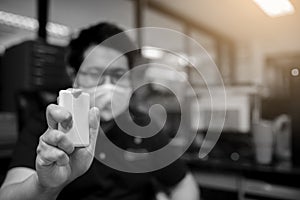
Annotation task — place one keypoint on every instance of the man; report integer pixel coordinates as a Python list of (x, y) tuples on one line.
[(46, 165)]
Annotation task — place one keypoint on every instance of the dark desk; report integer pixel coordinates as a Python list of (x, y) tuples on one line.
[(242, 166), (279, 181)]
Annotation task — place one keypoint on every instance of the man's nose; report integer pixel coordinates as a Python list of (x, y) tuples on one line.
[(106, 79)]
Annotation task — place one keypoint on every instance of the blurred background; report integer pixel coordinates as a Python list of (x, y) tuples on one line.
[(254, 43)]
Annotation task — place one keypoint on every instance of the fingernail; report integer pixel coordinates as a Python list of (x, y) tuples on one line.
[(76, 92), (97, 112), (67, 123)]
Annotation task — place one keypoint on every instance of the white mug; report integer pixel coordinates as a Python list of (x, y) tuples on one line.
[(263, 141)]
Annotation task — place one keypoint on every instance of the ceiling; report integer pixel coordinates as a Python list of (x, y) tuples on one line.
[(240, 20), (73, 13)]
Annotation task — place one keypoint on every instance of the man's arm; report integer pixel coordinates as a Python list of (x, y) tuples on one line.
[(186, 189), (57, 161), (22, 183)]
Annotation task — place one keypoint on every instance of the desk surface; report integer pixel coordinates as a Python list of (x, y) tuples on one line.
[(280, 172), (241, 166)]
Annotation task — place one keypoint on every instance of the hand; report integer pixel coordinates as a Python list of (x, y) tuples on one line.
[(58, 162)]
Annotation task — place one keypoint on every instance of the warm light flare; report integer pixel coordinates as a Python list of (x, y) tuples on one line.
[(275, 8)]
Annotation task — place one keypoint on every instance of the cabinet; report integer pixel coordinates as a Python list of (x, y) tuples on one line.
[(31, 65)]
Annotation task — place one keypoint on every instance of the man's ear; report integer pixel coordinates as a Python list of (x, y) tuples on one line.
[(71, 72)]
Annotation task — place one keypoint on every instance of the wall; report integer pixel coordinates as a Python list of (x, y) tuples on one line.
[(75, 14), (251, 56)]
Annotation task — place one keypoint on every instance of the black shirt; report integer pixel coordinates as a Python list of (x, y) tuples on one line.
[(100, 181)]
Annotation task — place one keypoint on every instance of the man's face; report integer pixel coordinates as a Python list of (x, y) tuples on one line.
[(98, 75)]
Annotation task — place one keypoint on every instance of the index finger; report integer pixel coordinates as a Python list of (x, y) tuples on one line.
[(57, 114)]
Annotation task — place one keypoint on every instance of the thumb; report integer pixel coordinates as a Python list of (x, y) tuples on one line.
[(94, 121)]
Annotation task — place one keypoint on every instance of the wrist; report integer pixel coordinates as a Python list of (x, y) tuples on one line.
[(46, 191)]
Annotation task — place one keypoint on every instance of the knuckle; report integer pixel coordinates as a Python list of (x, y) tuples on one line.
[(46, 136), (40, 139), (41, 147), (57, 136), (50, 108), (43, 158), (39, 161), (43, 136), (66, 145), (38, 150), (61, 155), (69, 149)]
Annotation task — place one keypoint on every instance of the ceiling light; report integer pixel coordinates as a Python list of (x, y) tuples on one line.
[(275, 8), (32, 24)]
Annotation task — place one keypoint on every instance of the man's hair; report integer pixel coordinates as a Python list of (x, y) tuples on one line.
[(95, 35)]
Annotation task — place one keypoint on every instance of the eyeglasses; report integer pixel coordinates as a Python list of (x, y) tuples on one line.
[(96, 77)]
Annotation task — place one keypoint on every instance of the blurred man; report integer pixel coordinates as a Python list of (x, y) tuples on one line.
[(46, 165)]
